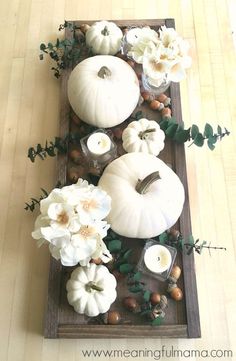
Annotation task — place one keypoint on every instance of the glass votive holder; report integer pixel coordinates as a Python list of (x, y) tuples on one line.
[(157, 260), (99, 149)]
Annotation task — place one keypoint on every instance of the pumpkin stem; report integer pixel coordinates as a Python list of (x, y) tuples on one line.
[(142, 134), (105, 31), (143, 185), (104, 72), (92, 286)]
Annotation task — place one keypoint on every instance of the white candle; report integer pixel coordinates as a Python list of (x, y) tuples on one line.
[(98, 143), (157, 259)]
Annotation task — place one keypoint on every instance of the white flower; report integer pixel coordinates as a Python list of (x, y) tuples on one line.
[(94, 205), (167, 35), (71, 223)]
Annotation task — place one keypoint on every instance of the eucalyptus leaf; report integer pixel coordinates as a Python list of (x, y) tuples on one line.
[(199, 140), (182, 135), (126, 268), (127, 254), (136, 288), (194, 131), (157, 321), (171, 130), (146, 296), (208, 130), (114, 245), (137, 276)]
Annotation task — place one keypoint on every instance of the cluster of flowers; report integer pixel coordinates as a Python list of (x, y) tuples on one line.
[(71, 221), (163, 54)]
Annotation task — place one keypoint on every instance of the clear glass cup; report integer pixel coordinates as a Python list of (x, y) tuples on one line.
[(153, 89)]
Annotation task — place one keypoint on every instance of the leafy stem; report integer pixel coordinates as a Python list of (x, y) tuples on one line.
[(30, 206)]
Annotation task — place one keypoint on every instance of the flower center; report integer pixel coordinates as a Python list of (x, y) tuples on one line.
[(157, 66), (86, 231), (87, 205), (63, 218)]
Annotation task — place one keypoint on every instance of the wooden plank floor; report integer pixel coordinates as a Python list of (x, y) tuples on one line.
[(29, 108)]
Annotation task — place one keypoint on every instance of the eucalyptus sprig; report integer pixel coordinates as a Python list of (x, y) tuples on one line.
[(30, 206), (177, 132), (65, 51), (175, 239), (52, 148)]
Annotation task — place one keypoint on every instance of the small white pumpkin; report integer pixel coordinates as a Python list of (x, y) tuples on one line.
[(104, 37), (144, 136), (147, 196), (103, 90), (91, 290)]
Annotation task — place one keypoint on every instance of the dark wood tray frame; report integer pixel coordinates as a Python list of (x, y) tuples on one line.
[(191, 329)]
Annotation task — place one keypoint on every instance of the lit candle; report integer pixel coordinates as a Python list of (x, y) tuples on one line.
[(157, 259), (99, 143)]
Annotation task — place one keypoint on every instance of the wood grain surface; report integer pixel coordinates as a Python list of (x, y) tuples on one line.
[(29, 113)]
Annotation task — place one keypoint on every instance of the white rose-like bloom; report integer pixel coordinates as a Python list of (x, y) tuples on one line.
[(71, 222), (146, 38)]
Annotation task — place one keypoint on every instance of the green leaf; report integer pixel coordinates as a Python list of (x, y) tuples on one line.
[(138, 115), (210, 145), (157, 321), (208, 131), (182, 135), (213, 139), (137, 276), (219, 130), (42, 47), (114, 245), (126, 268), (146, 296), (163, 237), (194, 131), (164, 124), (199, 140), (191, 240), (171, 130), (136, 288)]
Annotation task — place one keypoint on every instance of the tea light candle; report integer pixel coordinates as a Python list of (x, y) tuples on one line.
[(157, 259), (99, 143)]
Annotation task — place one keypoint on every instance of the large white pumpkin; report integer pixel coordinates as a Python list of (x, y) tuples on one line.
[(103, 90), (91, 290), (104, 37), (142, 215)]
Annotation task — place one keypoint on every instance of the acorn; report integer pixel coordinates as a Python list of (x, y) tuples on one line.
[(130, 303), (155, 298), (174, 234), (176, 294), (175, 272), (74, 173), (163, 302), (146, 96), (156, 105), (166, 112), (171, 286), (75, 155), (113, 318), (163, 98)]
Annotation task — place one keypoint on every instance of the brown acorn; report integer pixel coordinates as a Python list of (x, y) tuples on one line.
[(175, 272), (155, 298), (84, 28), (118, 132), (130, 303), (163, 99), (113, 317), (176, 294), (174, 234), (156, 105), (75, 155), (166, 112)]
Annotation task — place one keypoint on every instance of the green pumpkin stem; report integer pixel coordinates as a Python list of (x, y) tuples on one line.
[(142, 134), (105, 31), (143, 185), (104, 72), (92, 286)]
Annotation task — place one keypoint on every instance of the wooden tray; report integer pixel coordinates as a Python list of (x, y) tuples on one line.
[(182, 318)]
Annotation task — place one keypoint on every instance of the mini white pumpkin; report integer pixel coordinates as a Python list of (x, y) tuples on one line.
[(103, 90), (147, 196), (104, 37), (144, 136), (91, 290)]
